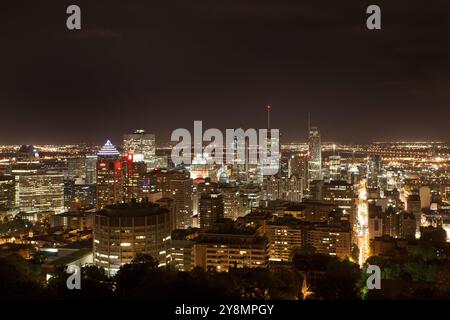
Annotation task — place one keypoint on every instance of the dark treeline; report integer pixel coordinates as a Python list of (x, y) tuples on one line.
[(424, 274)]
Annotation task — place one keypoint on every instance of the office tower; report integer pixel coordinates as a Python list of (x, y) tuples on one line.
[(136, 179), (298, 166), (399, 224), (251, 195), (123, 230), (342, 195), (91, 169), (425, 197), (69, 192), (7, 192), (373, 171), (335, 167), (176, 184), (232, 205), (293, 189), (142, 146), (375, 222), (339, 193), (413, 206), (314, 155), (76, 169), (273, 188), (40, 192), (210, 208), (37, 188), (290, 189), (109, 176), (84, 197), (285, 171)]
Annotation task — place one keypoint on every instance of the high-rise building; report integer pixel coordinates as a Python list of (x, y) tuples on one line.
[(290, 189), (176, 184), (232, 202), (273, 188), (413, 206), (425, 197), (91, 169), (37, 188), (339, 193), (109, 176), (314, 155), (211, 209), (399, 224), (142, 146), (375, 222), (335, 167), (76, 168), (285, 171), (84, 196), (7, 190), (298, 166), (123, 230), (136, 180), (293, 189), (373, 171)]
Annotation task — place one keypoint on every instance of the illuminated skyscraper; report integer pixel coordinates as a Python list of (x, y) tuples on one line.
[(91, 170), (109, 176), (290, 189), (141, 145), (177, 184), (232, 204), (315, 155), (335, 167), (210, 209), (37, 189), (373, 171), (7, 190), (136, 179)]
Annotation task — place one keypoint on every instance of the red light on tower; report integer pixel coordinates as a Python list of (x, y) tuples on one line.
[(117, 165)]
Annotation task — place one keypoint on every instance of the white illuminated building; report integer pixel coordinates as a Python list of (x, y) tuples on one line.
[(142, 146)]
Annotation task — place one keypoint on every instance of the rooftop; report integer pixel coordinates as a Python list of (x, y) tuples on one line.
[(132, 210)]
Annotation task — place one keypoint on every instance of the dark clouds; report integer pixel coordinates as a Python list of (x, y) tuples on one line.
[(160, 65)]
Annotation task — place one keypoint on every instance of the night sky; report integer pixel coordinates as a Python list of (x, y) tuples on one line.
[(160, 65)]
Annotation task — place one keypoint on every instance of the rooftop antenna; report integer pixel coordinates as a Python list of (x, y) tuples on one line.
[(268, 117)]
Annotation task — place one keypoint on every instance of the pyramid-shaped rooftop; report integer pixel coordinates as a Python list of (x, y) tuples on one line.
[(108, 149)]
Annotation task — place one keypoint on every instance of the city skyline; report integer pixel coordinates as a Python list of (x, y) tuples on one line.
[(242, 152)]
